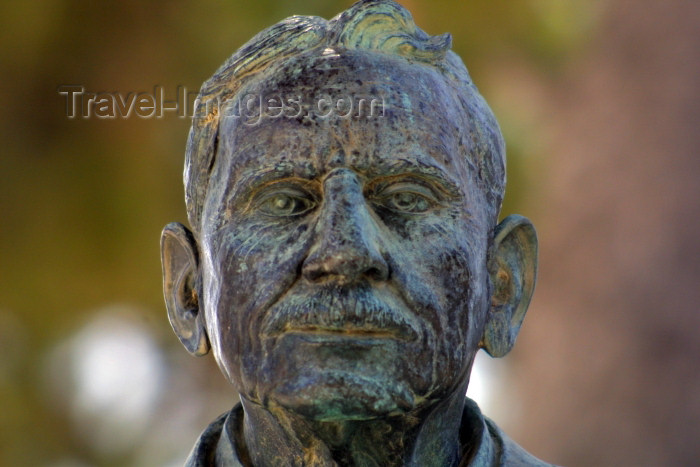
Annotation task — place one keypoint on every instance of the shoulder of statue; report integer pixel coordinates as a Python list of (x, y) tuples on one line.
[(214, 446), (491, 447)]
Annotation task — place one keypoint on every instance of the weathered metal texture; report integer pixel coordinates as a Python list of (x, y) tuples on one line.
[(345, 264)]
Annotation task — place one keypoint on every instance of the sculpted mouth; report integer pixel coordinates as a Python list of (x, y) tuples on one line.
[(341, 332), (359, 311)]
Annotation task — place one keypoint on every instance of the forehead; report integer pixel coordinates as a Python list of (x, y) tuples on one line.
[(376, 113)]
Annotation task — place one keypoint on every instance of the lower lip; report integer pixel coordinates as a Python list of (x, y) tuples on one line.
[(354, 337)]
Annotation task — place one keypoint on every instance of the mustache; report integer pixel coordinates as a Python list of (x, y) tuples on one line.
[(359, 309)]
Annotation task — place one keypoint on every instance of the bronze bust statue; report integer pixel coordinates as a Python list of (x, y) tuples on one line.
[(343, 184)]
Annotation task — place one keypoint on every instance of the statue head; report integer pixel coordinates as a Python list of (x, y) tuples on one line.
[(343, 184)]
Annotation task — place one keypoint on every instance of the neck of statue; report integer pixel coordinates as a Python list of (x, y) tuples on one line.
[(275, 436)]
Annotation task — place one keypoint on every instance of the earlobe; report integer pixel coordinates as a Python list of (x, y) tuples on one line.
[(512, 270), (180, 261)]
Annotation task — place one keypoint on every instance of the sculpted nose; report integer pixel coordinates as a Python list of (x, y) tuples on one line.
[(346, 248)]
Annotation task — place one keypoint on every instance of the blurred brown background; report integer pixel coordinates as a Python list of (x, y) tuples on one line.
[(599, 103)]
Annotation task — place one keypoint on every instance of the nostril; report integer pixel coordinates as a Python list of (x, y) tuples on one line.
[(343, 268), (313, 272), (379, 270), (376, 274)]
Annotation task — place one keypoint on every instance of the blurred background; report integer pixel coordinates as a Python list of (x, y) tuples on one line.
[(599, 104)]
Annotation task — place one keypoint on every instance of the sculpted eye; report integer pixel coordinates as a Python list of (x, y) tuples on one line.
[(285, 204), (407, 198), (408, 202)]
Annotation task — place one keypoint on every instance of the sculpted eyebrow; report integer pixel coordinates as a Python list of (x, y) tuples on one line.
[(385, 169), (252, 179), (409, 166)]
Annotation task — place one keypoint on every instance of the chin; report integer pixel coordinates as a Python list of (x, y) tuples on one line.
[(337, 395), (328, 378)]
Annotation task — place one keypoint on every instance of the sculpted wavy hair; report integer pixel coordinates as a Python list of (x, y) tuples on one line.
[(380, 26)]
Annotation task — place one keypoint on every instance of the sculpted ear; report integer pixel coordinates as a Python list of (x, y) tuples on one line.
[(513, 270), (178, 250)]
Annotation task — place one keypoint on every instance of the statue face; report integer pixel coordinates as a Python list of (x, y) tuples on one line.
[(344, 259)]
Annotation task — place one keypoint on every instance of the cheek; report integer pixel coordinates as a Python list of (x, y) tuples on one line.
[(247, 267), (440, 263), (445, 252), (254, 260)]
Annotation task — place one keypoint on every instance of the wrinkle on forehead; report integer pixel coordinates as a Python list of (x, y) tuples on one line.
[(419, 130), (267, 153)]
